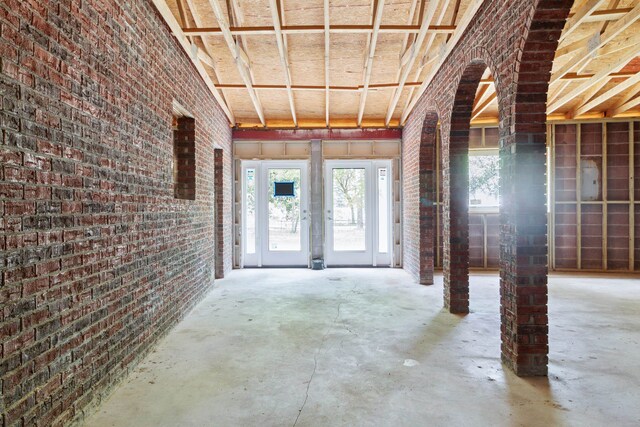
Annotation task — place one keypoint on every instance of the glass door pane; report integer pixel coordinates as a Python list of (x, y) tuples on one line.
[(383, 211), (284, 210), (349, 209), (250, 211)]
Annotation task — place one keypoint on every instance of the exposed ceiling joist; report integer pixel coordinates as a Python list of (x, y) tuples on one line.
[(327, 46), (318, 29), (241, 63), (602, 74), (556, 90), (425, 63), (369, 63), (333, 88), (586, 10), (175, 27), (414, 50), (472, 8), (483, 106), (607, 14), (482, 90), (616, 90), (596, 42), (284, 57), (626, 103)]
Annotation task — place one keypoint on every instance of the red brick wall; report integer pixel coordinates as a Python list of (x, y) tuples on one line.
[(517, 40), (98, 258)]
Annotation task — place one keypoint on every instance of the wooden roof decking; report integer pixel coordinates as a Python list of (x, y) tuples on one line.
[(350, 63)]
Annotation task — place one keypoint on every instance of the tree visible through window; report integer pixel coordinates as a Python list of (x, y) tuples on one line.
[(484, 180)]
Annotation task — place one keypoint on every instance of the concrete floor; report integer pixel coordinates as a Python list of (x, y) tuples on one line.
[(361, 347)]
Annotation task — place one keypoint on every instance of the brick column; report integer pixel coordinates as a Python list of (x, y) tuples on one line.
[(523, 255), (456, 191), (218, 179), (456, 222), (523, 232)]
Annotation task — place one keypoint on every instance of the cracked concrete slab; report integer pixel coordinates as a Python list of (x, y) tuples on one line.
[(353, 347)]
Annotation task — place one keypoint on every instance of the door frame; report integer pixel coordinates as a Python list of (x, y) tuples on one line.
[(370, 256), (263, 257)]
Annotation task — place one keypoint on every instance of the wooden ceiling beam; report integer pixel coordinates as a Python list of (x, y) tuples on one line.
[(580, 16), (483, 106), (377, 86), (167, 15), (569, 95), (607, 14), (327, 70), (592, 44), (403, 49), (466, 20), (243, 67), (414, 51), (480, 95), (203, 54), (284, 57), (556, 90), (369, 63), (318, 29), (614, 91), (628, 101)]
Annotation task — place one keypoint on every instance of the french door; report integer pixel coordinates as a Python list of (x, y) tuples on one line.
[(275, 214), (358, 208)]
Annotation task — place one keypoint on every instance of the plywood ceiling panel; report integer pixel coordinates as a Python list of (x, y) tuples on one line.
[(239, 45)]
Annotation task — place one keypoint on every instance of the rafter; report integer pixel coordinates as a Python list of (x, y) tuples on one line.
[(405, 41), (483, 106), (327, 46), (176, 29), (588, 95), (240, 59), (203, 54), (555, 90), (482, 90), (284, 57), (571, 94), (369, 64), (414, 51), (624, 98), (590, 45), (182, 12), (583, 13), (472, 8), (626, 103), (611, 14), (432, 37), (616, 90)]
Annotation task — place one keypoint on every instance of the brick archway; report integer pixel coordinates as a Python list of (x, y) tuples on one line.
[(523, 218), (456, 191), (519, 49), (427, 188)]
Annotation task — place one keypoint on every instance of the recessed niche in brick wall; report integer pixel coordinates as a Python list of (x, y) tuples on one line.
[(184, 158)]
